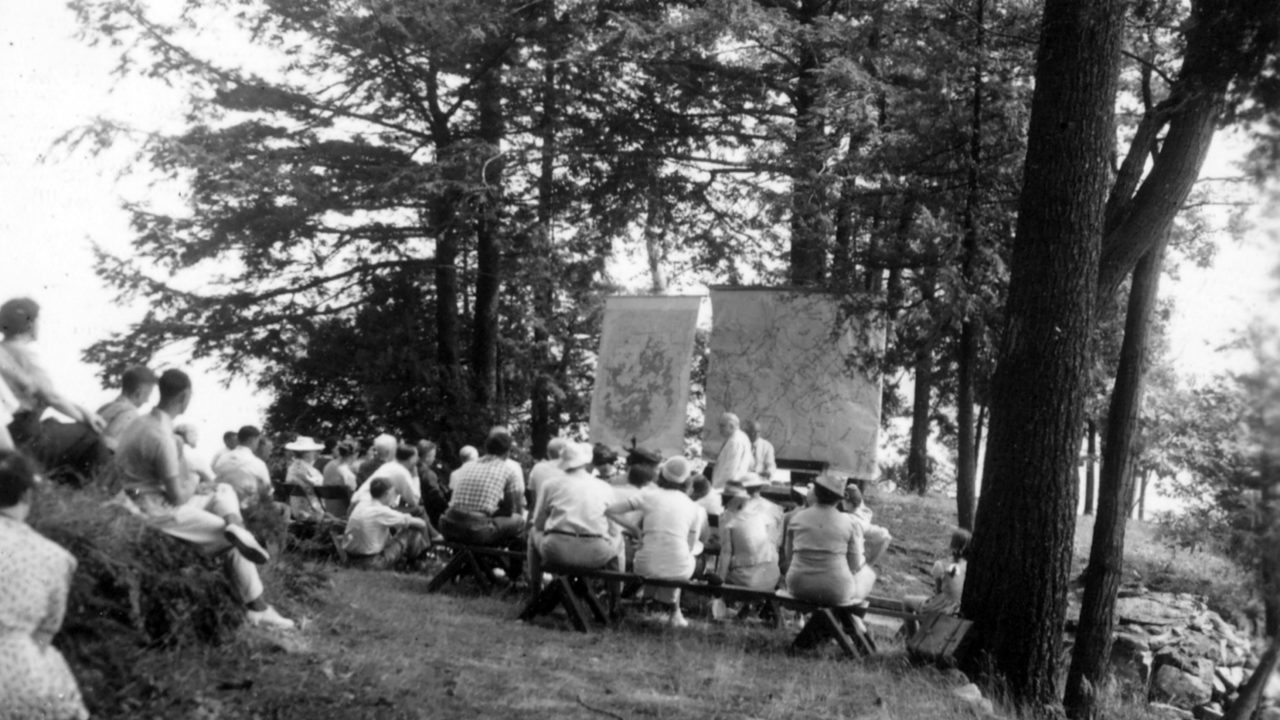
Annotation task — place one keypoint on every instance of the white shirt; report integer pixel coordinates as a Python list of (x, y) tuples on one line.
[(540, 473), (575, 502), (244, 471), (369, 527), (734, 461), (766, 463), (402, 485)]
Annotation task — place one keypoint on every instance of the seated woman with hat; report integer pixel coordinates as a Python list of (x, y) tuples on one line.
[(303, 474), (669, 526), (749, 532), (570, 528), (824, 547)]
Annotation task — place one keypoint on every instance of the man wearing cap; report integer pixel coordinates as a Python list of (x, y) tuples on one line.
[(136, 386), (749, 536), (242, 469), (766, 464), (735, 458), (570, 528), (157, 488), (482, 489)]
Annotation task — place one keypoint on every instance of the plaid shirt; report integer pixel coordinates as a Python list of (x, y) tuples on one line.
[(480, 485)]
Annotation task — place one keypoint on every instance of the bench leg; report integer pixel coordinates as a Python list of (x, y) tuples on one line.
[(583, 589), (453, 569), (543, 603), (854, 629), (822, 625), (477, 570), (569, 599)]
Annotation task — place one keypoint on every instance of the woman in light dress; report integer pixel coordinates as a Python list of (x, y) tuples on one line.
[(35, 681), (824, 547)]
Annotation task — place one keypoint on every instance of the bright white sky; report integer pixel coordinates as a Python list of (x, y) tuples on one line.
[(57, 204)]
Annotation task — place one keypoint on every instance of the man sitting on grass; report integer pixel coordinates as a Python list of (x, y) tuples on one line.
[(158, 488), (378, 536)]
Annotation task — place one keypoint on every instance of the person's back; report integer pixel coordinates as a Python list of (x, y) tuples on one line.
[(669, 521)]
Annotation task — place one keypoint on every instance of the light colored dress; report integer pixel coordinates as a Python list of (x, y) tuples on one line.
[(827, 563), (948, 578), (749, 545), (670, 524), (35, 681)]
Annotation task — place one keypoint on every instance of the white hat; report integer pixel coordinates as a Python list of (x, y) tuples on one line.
[(734, 488), (676, 469), (752, 480), (303, 444), (575, 455), (834, 483)]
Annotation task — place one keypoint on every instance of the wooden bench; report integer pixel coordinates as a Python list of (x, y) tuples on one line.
[(571, 589), (476, 561)]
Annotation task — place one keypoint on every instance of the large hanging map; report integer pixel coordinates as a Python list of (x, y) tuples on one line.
[(777, 358), (642, 373)]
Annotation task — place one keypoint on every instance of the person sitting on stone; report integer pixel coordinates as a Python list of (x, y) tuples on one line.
[(35, 680), (749, 534), (157, 488), (377, 536), (243, 470), (570, 528), (197, 464), (487, 507), (824, 551), (69, 451), (136, 387), (399, 472), (669, 528)]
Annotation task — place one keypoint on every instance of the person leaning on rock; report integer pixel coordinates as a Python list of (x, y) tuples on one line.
[(157, 488)]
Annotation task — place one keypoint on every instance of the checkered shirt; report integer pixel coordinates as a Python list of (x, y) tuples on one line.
[(479, 486)]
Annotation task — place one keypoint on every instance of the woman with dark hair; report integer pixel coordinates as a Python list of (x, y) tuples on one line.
[(75, 445), (825, 550), (35, 681), (341, 472), (948, 577)]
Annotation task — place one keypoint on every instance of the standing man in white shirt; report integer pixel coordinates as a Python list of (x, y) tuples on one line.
[(762, 450), (735, 458)]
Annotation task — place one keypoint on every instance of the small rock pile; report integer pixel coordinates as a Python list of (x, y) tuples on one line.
[(1188, 660)]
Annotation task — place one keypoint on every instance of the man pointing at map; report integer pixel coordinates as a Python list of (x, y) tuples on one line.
[(735, 458)]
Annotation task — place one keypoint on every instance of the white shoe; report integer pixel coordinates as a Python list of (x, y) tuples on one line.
[(677, 620), (247, 544), (269, 618)]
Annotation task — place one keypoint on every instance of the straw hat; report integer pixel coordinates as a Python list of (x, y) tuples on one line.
[(734, 488), (830, 481), (676, 469), (304, 444), (574, 456)]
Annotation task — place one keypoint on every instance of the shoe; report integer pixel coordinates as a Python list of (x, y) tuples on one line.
[(247, 544), (269, 618), (678, 621)]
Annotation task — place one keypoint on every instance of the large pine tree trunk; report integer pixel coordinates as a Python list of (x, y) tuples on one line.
[(808, 256), (484, 336), (1091, 464), (1090, 656), (1017, 583), (541, 428)]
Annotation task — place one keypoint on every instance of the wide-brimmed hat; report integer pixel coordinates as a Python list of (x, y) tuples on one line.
[(303, 444), (676, 469), (734, 488), (643, 456), (574, 455), (831, 481), (752, 480)]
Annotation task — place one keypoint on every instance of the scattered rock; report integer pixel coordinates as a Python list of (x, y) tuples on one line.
[(1212, 711), (972, 695), (1177, 687)]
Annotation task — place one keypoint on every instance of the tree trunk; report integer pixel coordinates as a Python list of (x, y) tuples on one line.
[(1251, 694), (1091, 463), (808, 257), (918, 452), (484, 336), (1142, 496), (1092, 651), (540, 416), (1269, 542), (967, 360), (1016, 589)]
